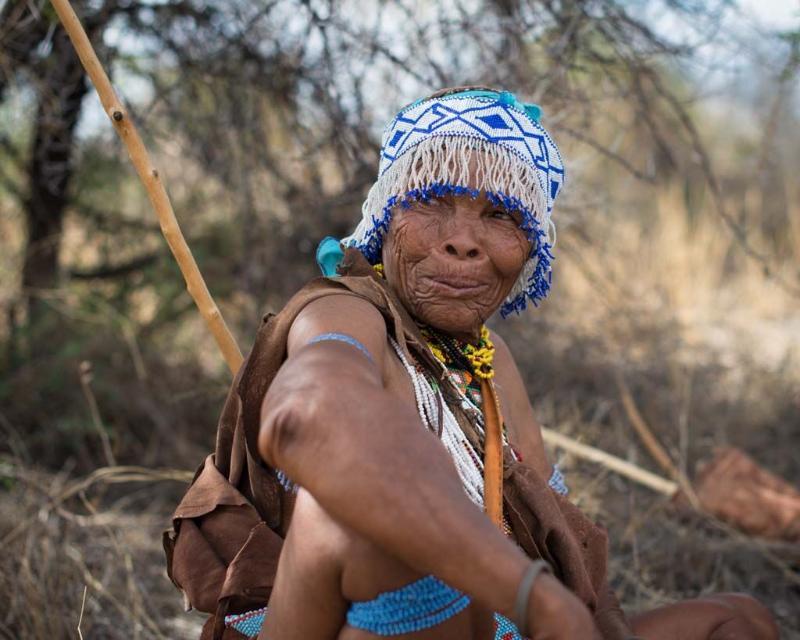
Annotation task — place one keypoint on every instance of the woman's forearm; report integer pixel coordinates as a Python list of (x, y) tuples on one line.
[(364, 456)]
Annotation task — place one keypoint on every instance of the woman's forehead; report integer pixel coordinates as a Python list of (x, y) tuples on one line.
[(476, 199)]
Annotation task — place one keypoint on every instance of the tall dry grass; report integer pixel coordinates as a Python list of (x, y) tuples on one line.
[(711, 348)]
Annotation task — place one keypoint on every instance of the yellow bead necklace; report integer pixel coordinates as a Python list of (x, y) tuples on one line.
[(449, 351)]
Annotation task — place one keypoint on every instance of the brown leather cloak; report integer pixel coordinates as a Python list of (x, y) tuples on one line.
[(227, 533)]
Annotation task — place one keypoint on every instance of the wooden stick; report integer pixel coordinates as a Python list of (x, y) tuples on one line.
[(195, 284), (652, 444), (613, 463)]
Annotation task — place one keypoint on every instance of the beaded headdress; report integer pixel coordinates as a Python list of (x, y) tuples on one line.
[(428, 150)]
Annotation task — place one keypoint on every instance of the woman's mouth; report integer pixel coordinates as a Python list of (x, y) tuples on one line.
[(452, 286)]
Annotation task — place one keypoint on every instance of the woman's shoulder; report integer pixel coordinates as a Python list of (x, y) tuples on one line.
[(340, 314), (503, 358)]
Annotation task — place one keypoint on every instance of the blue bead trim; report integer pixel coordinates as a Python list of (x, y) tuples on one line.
[(248, 624), (538, 285), (556, 481), (285, 482), (342, 337), (504, 629), (417, 606)]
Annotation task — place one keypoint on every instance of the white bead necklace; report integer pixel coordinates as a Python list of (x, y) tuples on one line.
[(468, 463)]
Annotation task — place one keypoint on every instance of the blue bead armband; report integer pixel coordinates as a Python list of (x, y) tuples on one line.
[(342, 337)]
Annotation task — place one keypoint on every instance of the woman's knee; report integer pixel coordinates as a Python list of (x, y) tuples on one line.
[(724, 616), (315, 536), (745, 610)]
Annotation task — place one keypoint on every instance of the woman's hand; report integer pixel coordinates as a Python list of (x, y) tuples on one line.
[(555, 613)]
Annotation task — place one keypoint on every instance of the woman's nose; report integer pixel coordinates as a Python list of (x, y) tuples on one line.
[(462, 243)]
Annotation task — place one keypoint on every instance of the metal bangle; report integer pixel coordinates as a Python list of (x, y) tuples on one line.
[(524, 592)]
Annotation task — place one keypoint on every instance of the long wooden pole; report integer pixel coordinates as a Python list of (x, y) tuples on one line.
[(122, 122)]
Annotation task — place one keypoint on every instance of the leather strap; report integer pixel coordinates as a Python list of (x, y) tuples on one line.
[(492, 453)]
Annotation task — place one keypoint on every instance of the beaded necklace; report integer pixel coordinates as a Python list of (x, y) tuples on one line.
[(468, 462), (470, 370), (453, 353)]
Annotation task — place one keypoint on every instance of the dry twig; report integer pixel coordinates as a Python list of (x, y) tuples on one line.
[(651, 443)]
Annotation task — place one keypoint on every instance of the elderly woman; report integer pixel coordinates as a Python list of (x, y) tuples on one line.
[(379, 416)]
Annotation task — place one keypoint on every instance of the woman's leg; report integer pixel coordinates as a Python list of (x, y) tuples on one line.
[(324, 566), (306, 600), (725, 616)]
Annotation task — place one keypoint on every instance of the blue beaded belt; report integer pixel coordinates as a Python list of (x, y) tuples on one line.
[(416, 606)]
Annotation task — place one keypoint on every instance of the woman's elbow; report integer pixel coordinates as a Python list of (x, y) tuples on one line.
[(277, 428), (285, 419), (299, 416)]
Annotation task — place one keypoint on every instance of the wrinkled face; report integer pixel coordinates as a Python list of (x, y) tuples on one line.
[(453, 260)]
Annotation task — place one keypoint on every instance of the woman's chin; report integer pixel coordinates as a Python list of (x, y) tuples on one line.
[(454, 320)]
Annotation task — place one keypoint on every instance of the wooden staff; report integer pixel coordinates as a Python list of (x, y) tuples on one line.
[(195, 284)]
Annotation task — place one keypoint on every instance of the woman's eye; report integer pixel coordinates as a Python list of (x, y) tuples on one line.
[(427, 204), (501, 214)]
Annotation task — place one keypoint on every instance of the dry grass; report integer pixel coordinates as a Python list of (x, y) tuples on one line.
[(711, 349), (62, 539)]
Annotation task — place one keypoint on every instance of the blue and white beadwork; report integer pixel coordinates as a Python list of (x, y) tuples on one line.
[(419, 605), (248, 624), (452, 145), (557, 482)]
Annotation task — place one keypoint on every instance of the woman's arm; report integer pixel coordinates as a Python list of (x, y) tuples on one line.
[(329, 423)]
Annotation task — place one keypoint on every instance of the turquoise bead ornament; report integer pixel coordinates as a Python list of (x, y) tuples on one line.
[(329, 255)]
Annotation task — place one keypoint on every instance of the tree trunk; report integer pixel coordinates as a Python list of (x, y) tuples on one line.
[(20, 35), (63, 86)]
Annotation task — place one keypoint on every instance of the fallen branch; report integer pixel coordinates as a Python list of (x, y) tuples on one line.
[(651, 443), (613, 463)]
